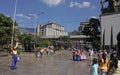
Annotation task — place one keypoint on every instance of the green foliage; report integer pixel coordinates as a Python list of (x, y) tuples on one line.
[(37, 41), (46, 43), (25, 37), (93, 30), (27, 41), (5, 29)]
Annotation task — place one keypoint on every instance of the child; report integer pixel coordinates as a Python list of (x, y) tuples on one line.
[(94, 68)]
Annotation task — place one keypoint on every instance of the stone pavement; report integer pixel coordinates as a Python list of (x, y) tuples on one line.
[(117, 71), (59, 64)]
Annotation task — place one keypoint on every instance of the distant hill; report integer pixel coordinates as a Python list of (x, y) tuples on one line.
[(26, 30)]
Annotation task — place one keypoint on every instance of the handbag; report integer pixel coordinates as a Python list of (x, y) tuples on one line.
[(18, 59)]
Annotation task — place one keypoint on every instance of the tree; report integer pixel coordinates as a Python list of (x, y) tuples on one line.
[(5, 30), (45, 43), (93, 30), (64, 40), (27, 42)]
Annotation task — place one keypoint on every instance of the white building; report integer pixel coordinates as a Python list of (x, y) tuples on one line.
[(108, 21), (51, 30)]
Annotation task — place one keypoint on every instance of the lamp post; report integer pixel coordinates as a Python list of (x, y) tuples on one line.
[(35, 16), (13, 24)]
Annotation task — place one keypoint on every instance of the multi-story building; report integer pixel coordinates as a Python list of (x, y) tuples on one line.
[(51, 30), (77, 37), (82, 25)]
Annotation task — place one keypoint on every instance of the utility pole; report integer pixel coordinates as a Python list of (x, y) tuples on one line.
[(13, 28)]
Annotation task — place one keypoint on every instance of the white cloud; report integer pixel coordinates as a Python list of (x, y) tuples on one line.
[(93, 17), (81, 5), (86, 4), (93, 7), (52, 2), (72, 4), (20, 15), (27, 17)]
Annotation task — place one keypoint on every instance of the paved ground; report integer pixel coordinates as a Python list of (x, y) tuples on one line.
[(59, 64), (117, 71)]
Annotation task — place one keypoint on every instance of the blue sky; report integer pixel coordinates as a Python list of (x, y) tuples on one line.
[(68, 13)]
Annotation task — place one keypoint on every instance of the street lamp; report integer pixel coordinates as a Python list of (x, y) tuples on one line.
[(35, 16), (13, 24)]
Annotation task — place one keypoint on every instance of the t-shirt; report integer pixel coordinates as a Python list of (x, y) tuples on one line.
[(95, 69), (104, 65), (91, 52)]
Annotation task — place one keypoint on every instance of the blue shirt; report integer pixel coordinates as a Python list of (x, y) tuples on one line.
[(95, 69)]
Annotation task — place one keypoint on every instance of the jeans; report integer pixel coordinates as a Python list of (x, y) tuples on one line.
[(103, 72), (14, 61)]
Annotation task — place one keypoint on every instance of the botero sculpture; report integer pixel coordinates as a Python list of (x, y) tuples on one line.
[(113, 6)]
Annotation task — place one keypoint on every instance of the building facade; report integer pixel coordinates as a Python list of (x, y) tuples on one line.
[(82, 26), (110, 24), (51, 30)]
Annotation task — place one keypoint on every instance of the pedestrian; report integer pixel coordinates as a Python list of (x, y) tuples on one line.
[(104, 63), (51, 51), (38, 53), (47, 49), (14, 58), (91, 55), (111, 52), (100, 56), (42, 51), (95, 67), (113, 64), (78, 55), (73, 51)]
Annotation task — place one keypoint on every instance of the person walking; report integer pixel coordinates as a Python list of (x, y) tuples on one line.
[(104, 63), (91, 55), (78, 55), (100, 56), (95, 67), (73, 54), (14, 58)]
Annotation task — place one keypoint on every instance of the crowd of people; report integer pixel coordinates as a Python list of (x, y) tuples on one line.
[(79, 54), (44, 50), (105, 63), (39, 53)]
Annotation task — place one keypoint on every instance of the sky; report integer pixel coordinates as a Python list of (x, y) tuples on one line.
[(68, 13)]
